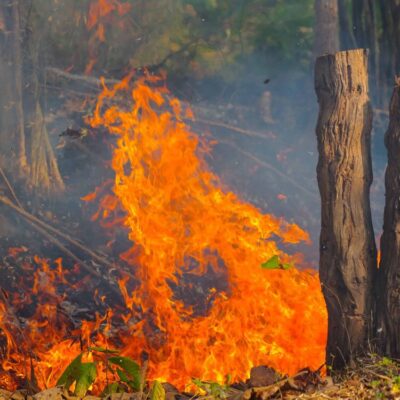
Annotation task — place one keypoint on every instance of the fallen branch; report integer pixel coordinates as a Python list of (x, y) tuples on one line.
[(36, 225), (10, 188), (80, 78), (50, 228), (98, 83)]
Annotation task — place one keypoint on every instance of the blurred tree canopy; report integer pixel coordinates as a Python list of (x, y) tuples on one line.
[(197, 38)]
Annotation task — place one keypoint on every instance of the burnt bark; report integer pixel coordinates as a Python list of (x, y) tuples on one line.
[(347, 245), (388, 288), (326, 27)]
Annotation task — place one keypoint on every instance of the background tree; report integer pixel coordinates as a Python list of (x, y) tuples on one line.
[(388, 297), (26, 151), (374, 25), (326, 35)]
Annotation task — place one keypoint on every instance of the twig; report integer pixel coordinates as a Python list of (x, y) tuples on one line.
[(273, 169), (19, 208), (50, 228), (80, 78), (380, 376), (97, 82), (10, 310), (17, 323), (55, 241), (266, 135), (277, 385), (10, 188)]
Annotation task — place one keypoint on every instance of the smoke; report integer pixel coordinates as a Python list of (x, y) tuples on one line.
[(253, 71)]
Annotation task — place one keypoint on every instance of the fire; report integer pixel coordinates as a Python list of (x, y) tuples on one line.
[(181, 222), (202, 305), (102, 13)]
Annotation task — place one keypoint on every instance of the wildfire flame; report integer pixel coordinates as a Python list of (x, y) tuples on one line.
[(183, 227), (102, 13)]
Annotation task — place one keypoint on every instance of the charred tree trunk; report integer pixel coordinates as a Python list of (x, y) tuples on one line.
[(326, 27), (388, 290), (347, 246)]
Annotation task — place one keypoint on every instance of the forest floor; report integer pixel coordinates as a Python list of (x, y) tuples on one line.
[(372, 377)]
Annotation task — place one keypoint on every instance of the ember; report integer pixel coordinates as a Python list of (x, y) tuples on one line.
[(181, 224)]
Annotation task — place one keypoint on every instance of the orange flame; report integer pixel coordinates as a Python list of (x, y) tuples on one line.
[(100, 14), (182, 222), (203, 305)]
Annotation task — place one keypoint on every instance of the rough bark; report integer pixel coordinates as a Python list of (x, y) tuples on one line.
[(326, 27), (388, 290), (347, 246)]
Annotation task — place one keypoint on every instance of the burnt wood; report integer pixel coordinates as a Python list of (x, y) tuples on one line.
[(388, 288), (344, 172)]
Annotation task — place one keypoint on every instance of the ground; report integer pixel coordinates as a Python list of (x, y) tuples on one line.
[(372, 377)]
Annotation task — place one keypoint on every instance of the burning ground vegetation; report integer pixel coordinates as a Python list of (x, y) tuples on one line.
[(202, 297)]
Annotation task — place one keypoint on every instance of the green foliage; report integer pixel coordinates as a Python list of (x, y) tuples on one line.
[(128, 371), (213, 389), (113, 387), (83, 374), (386, 362), (274, 263), (157, 391), (201, 38)]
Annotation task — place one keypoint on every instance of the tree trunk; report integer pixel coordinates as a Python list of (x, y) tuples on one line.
[(19, 111), (347, 39), (12, 132), (347, 246), (326, 27), (25, 149), (388, 289)]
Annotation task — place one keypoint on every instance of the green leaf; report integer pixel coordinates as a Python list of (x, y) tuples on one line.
[(272, 263), (129, 371), (87, 375), (213, 389), (70, 373), (83, 374), (123, 376), (157, 391), (113, 387)]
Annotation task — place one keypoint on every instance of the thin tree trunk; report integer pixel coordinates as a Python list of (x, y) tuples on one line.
[(388, 289), (347, 246), (45, 175), (326, 27), (19, 111), (347, 39)]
